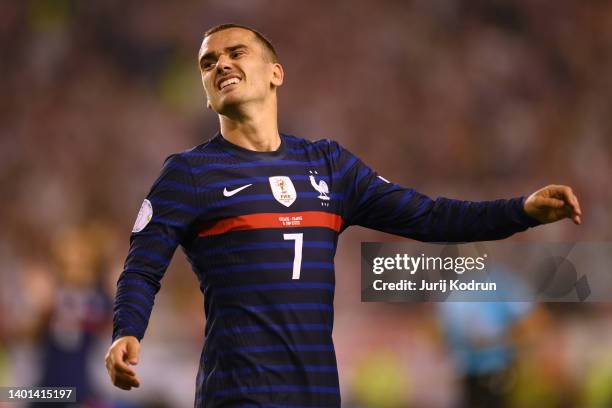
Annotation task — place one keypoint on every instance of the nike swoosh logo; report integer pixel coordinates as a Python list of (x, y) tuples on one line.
[(229, 193)]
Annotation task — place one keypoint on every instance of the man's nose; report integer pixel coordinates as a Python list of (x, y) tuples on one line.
[(223, 63)]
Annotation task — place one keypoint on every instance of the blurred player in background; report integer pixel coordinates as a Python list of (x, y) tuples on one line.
[(258, 214), (482, 338), (68, 307)]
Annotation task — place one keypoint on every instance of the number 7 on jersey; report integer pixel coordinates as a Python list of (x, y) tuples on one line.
[(297, 259)]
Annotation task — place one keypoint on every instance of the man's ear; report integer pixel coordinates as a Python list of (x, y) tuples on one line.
[(277, 75), (208, 105)]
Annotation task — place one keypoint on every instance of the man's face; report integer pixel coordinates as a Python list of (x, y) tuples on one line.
[(235, 69)]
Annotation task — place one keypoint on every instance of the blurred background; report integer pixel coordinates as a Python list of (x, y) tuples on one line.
[(477, 99)]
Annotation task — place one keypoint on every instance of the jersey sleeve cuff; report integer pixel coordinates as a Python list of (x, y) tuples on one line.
[(126, 332), (518, 208)]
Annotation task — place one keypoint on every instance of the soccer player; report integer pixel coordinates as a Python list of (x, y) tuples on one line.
[(258, 214)]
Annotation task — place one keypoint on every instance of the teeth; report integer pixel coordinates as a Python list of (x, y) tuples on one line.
[(228, 82)]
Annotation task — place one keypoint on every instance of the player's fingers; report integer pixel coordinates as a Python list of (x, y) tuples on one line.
[(549, 202), (118, 364), (576, 204), (566, 194), (570, 198), (133, 352), (572, 214), (121, 368), (123, 387), (126, 380)]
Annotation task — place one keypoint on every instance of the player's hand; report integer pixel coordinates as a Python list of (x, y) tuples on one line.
[(553, 203), (125, 350)]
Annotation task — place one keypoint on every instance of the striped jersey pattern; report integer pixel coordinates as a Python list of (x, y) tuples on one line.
[(260, 230)]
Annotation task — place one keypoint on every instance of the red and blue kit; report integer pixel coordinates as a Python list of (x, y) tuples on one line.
[(260, 230)]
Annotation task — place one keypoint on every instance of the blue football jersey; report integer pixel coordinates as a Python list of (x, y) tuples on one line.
[(260, 230)]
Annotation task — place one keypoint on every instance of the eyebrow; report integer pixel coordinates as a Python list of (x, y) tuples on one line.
[(210, 55)]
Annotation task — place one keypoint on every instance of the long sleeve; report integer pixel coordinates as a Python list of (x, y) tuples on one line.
[(373, 202), (165, 219)]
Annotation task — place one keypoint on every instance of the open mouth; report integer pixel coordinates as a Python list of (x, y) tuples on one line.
[(228, 82)]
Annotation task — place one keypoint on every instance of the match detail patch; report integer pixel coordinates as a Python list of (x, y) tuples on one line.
[(144, 216), (283, 190), (319, 219)]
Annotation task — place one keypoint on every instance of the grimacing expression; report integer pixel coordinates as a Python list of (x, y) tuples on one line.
[(236, 68)]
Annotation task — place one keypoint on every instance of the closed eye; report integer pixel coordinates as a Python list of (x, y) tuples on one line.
[(209, 59), (206, 64)]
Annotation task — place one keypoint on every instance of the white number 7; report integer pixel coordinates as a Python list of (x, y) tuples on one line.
[(297, 259)]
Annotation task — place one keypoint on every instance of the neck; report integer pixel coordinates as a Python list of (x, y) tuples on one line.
[(253, 127)]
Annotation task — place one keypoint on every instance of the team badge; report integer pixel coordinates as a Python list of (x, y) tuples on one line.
[(144, 216), (283, 190), (321, 186)]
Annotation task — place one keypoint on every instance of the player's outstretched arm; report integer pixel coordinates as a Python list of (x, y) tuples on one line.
[(373, 202), (124, 351), (553, 203)]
